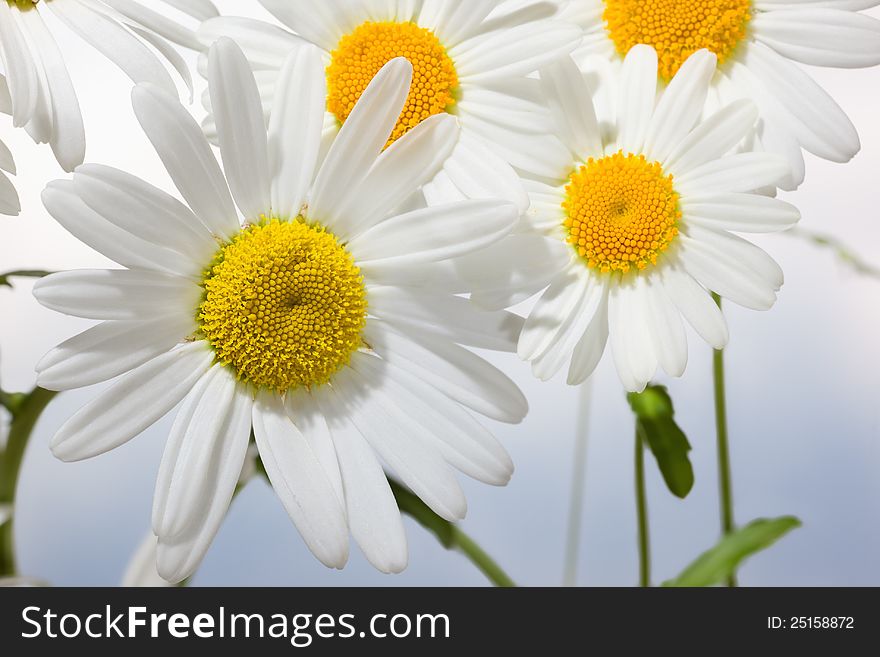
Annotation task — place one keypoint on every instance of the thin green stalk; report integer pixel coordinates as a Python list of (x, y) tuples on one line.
[(578, 484), (450, 536), (26, 410), (486, 564), (724, 472), (642, 511)]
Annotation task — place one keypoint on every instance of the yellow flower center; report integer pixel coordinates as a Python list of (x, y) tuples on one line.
[(678, 28), (362, 53), (23, 5), (621, 212), (284, 305)]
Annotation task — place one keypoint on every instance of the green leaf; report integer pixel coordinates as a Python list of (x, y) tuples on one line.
[(719, 563), (30, 273), (655, 421)]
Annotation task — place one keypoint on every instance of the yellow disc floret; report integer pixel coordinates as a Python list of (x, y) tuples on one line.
[(678, 28), (622, 212), (23, 4), (284, 305), (363, 52)]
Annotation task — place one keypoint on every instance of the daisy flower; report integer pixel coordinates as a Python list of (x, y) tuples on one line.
[(9, 203), (304, 321), (43, 99), (758, 45), (470, 59), (637, 225)]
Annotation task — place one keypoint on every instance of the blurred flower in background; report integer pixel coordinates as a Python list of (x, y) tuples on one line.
[(471, 59), (41, 94), (758, 45)]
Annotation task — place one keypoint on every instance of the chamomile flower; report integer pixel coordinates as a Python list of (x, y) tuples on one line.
[(758, 44), (637, 226), (9, 203), (304, 322), (43, 99), (471, 59)]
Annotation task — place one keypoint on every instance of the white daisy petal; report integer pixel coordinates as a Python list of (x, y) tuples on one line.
[(742, 172), (749, 213), (199, 9), (19, 68), (570, 102), (448, 316), (178, 557), (68, 139), (135, 402), (517, 51), (403, 167), (819, 123), (398, 439), (155, 22), (433, 234), (455, 20), (141, 571), (372, 511), (144, 211), (463, 442), (116, 294), (303, 409), (697, 306), (323, 23), (9, 202), (300, 481), (359, 142), (589, 350), (637, 96), (199, 440), (187, 156), (631, 342), (241, 130), (727, 273), (295, 130), (65, 206), (667, 330), (456, 372), (264, 45), (110, 349), (513, 270), (496, 179), (548, 363), (167, 50), (7, 162), (546, 319), (681, 105), (713, 138), (821, 36), (115, 43)]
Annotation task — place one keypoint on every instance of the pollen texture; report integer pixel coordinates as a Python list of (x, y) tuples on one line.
[(622, 212), (678, 28), (362, 53), (284, 305)]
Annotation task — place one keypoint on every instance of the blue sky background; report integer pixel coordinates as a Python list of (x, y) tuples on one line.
[(803, 395)]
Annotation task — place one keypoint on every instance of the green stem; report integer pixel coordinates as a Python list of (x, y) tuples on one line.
[(26, 410), (25, 273), (642, 511), (486, 564), (724, 471), (450, 536), (578, 483)]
